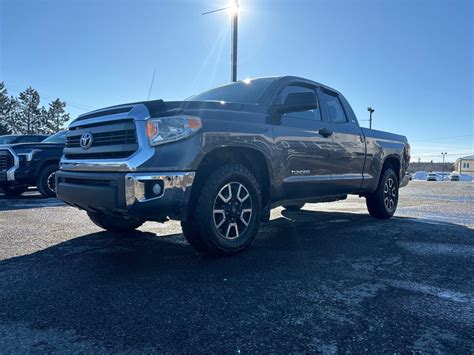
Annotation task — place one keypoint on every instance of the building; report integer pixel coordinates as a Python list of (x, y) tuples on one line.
[(465, 165)]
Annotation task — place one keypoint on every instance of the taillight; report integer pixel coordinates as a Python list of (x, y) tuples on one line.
[(408, 152)]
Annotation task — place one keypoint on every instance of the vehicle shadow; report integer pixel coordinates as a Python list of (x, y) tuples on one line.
[(308, 275), (28, 200)]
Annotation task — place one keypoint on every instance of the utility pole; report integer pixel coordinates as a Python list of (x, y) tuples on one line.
[(442, 167), (371, 111), (235, 24)]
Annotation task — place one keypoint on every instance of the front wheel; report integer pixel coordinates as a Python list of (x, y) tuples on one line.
[(46, 181), (13, 190), (115, 224), (383, 202), (226, 216)]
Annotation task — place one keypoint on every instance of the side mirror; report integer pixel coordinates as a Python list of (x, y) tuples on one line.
[(297, 102)]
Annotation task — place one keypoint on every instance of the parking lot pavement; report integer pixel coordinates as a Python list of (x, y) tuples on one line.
[(328, 278)]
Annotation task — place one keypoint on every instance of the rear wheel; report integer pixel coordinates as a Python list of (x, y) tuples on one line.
[(115, 224), (13, 190), (296, 207), (383, 202), (47, 181), (226, 216)]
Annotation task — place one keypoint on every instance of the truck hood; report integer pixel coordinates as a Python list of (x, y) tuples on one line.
[(157, 108), (40, 146)]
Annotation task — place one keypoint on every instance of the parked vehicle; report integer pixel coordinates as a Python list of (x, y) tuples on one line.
[(432, 177), (454, 177), (220, 160), (31, 164), (27, 138)]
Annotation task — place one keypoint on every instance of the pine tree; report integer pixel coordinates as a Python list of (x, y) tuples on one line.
[(12, 117), (4, 108), (56, 116), (43, 118), (30, 117), (23, 115)]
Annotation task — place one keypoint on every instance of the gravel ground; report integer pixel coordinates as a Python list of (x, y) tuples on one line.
[(328, 278)]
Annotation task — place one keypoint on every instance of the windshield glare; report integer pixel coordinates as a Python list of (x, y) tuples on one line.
[(56, 138), (244, 92)]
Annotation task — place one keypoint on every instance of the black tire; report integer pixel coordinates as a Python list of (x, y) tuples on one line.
[(115, 224), (383, 202), (217, 228), (13, 190), (294, 207), (46, 181)]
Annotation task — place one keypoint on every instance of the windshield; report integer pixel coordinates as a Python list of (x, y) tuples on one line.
[(56, 138), (244, 92), (7, 139)]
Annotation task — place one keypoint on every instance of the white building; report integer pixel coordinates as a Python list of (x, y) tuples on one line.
[(465, 165)]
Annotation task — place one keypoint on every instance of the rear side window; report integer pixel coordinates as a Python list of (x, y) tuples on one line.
[(314, 115), (335, 111)]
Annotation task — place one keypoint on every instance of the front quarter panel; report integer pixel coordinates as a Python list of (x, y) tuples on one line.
[(220, 129)]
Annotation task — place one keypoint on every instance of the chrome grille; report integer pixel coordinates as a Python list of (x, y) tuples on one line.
[(128, 136), (110, 140), (6, 160)]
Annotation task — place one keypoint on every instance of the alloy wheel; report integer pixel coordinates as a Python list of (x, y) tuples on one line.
[(390, 194), (51, 181), (232, 210)]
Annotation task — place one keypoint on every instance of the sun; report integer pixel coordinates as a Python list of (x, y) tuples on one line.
[(234, 7)]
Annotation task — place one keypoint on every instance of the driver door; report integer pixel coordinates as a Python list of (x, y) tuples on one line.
[(305, 143)]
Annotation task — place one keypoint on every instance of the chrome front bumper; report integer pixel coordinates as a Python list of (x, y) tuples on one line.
[(172, 184), (10, 173), (127, 193)]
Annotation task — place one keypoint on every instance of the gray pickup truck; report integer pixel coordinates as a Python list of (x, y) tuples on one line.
[(220, 160)]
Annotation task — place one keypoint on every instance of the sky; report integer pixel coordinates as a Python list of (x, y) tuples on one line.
[(411, 60)]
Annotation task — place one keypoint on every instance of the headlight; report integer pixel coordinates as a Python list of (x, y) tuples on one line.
[(169, 129), (26, 154)]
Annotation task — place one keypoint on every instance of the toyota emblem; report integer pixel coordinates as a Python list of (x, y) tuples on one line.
[(86, 141)]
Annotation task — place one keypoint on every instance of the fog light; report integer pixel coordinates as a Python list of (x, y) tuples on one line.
[(157, 189)]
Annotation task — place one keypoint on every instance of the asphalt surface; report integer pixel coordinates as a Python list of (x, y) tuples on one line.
[(326, 279)]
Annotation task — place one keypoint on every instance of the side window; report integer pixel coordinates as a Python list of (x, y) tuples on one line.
[(335, 111), (314, 115)]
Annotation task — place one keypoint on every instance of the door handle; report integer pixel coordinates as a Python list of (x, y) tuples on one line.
[(325, 132)]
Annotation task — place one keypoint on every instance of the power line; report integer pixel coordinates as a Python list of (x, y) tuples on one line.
[(49, 97), (436, 139), (437, 155)]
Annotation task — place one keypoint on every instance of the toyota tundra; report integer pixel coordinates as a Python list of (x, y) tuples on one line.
[(220, 160)]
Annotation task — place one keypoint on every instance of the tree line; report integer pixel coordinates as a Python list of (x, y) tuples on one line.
[(24, 115)]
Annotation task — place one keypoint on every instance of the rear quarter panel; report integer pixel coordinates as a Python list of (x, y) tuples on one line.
[(380, 146)]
